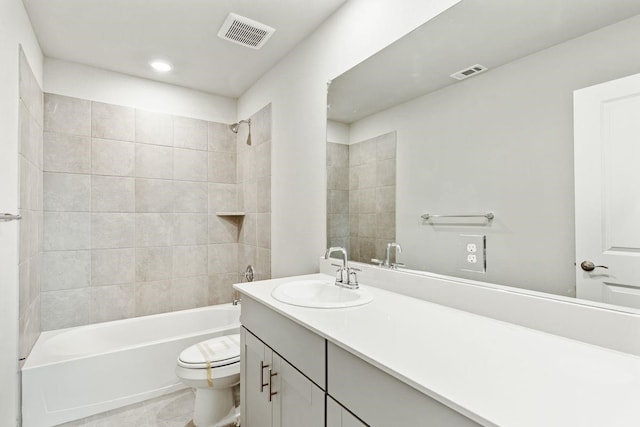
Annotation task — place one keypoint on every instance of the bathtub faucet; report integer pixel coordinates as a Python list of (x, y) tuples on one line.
[(345, 276)]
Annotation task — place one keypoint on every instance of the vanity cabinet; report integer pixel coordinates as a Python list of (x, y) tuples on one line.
[(275, 393), (337, 416), (288, 372), (277, 389), (381, 400)]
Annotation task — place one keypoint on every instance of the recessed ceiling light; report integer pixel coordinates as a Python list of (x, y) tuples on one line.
[(161, 66)]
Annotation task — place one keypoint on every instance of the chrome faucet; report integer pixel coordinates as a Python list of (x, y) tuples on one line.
[(387, 256), (345, 276)]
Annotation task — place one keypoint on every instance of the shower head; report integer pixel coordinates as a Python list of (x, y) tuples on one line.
[(236, 126)]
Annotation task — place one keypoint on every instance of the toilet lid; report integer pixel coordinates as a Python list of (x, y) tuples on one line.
[(218, 351)]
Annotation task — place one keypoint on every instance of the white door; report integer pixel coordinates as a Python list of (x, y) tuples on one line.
[(607, 191)]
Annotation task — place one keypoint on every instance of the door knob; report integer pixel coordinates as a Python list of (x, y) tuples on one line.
[(589, 266)]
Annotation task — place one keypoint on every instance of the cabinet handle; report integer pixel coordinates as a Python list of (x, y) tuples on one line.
[(262, 383), (271, 393)]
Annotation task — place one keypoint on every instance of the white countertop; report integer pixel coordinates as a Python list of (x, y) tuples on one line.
[(494, 372)]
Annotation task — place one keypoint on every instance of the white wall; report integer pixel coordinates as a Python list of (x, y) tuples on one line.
[(297, 89), (82, 81), (15, 29), (337, 132), (501, 142)]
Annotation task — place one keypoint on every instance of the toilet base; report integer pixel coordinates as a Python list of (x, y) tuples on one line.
[(211, 406)]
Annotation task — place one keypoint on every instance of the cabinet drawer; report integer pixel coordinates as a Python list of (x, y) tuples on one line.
[(296, 344), (379, 399)]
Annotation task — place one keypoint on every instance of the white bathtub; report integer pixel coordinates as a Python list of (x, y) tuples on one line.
[(77, 372)]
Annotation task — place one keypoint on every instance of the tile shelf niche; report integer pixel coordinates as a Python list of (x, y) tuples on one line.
[(230, 214)]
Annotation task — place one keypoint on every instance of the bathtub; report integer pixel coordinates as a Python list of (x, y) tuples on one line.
[(77, 372)]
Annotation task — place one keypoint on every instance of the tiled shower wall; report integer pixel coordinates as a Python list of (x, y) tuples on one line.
[(338, 195), (30, 153), (369, 203), (130, 198), (254, 190)]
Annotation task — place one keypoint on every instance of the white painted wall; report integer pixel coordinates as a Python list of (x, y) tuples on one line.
[(501, 142), (337, 132), (82, 81), (15, 30), (297, 89)]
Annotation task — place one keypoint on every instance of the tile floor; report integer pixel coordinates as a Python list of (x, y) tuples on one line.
[(172, 410)]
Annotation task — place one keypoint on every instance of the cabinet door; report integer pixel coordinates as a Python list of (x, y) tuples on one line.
[(298, 401), (337, 416), (256, 359)]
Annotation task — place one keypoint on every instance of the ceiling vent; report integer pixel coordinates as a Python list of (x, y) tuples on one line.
[(245, 31), (469, 72)]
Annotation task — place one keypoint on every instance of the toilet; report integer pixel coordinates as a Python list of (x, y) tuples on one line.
[(212, 368)]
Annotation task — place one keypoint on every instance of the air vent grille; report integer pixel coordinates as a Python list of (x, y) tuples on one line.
[(469, 72), (244, 31)]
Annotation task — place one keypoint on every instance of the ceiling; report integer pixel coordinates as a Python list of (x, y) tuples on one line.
[(487, 32), (125, 35)]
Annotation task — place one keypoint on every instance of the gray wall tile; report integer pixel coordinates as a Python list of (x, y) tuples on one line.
[(189, 165), (112, 230), (112, 266), (154, 128), (29, 89), (264, 195), (66, 270), (222, 167), (221, 287), (154, 195), (67, 231), (263, 160), (190, 133), (261, 125), (67, 115), (263, 263), (190, 292), (112, 194), (386, 199), (222, 198), (151, 244), (250, 196), (112, 157), (112, 302), (221, 138), (153, 297), (190, 229), (223, 229), (263, 230), (64, 309), (66, 153), (112, 121), (223, 258), (154, 161), (154, 229), (191, 197), (153, 264), (65, 192), (248, 230), (189, 261)]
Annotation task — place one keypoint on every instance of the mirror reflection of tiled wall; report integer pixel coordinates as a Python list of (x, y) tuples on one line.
[(361, 196)]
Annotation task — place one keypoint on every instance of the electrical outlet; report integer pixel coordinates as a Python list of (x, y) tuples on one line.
[(473, 253)]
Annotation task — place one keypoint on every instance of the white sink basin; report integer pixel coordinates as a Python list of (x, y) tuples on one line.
[(320, 294)]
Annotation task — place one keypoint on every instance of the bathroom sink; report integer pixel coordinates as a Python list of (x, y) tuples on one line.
[(320, 294)]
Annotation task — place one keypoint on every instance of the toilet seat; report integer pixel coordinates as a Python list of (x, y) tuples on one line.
[(213, 353)]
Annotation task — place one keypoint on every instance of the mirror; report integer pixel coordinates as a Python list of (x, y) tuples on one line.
[(500, 141)]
